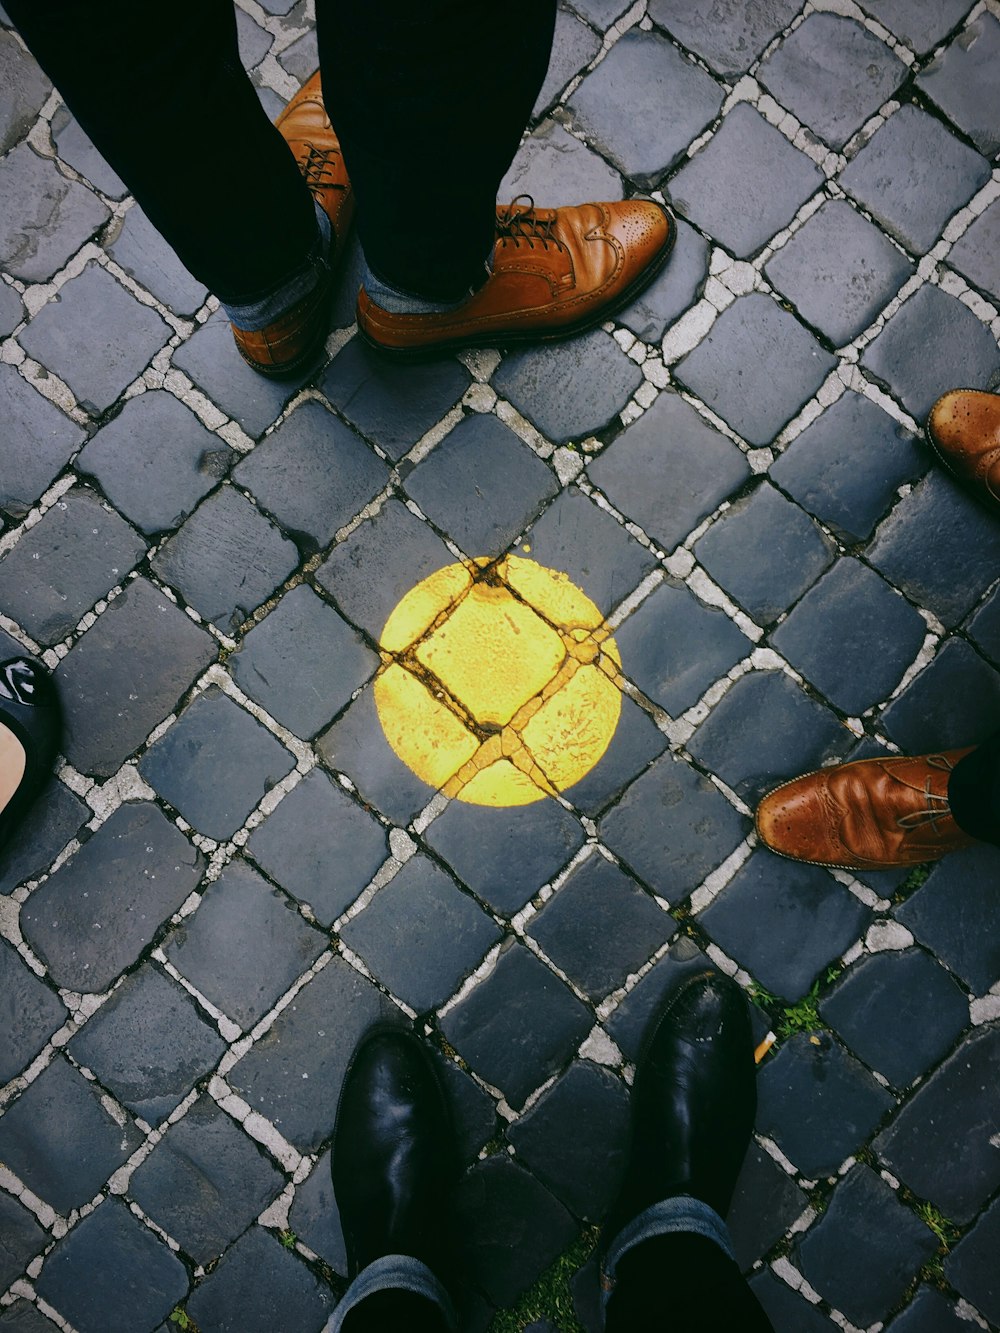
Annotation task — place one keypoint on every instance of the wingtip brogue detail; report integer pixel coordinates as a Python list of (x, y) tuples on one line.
[(963, 429)]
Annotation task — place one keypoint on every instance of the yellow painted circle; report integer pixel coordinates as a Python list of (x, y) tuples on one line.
[(499, 682)]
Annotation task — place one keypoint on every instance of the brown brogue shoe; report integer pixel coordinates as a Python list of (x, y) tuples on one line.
[(871, 814), (289, 343), (555, 272), (964, 431)]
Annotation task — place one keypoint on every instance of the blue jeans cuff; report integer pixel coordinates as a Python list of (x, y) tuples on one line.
[(256, 315), (393, 1272), (680, 1213)]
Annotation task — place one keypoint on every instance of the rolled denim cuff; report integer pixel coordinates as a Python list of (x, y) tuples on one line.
[(681, 1212), (255, 315), (393, 1272)]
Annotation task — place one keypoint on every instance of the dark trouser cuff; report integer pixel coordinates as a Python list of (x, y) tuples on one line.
[(974, 792)]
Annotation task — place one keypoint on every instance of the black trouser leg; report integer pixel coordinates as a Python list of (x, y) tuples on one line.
[(974, 792), (429, 101), (682, 1283), (161, 91), (394, 1312)]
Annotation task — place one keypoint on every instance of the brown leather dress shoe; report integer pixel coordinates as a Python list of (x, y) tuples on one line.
[(964, 431), (289, 343), (871, 814), (556, 272)]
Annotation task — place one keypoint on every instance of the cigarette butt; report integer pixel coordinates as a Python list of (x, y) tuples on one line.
[(763, 1048)]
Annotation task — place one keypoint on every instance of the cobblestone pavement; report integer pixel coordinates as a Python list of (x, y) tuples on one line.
[(235, 873)]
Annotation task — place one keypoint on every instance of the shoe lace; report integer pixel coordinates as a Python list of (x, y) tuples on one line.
[(937, 804), (519, 222), (316, 167)]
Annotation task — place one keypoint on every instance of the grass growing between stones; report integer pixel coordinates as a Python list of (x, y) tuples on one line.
[(550, 1297)]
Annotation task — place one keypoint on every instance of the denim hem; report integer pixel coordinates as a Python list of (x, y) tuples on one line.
[(393, 1272), (680, 1213), (251, 316)]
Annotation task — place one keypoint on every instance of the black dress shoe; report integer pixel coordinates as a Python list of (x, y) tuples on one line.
[(693, 1101), (30, 735), (394, 1159)]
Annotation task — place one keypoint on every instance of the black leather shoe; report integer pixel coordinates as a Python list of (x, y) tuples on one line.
[(30, 735), (693, 1101), (394, 1159)]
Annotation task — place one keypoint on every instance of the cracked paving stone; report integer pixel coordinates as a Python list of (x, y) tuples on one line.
[(912, 175), (44, 219), (984, 627), (292, 1074), (784, 921), (205, 1182), (301, 59), (96, 336), (839, 271), (258, 1287), (957, 914), (313, 474), (573, 46), (766, 1203), (420, 935), (669, 469), (481, 485), (677, 287), (59, 1139), (12, 310), (900, 1012), (962, 82), (756, 367), (145, 256), (599, 901), (655, 644), (971, 1266), (518, 1026), (315, 1219), (555, 168), (977, 254), (38, 442), (25, 91), (728, 34), (74, 147), (125, 675), (155, 461), (852, 606), (919, 23), (670, 102), (302, 662), (98, 912), (53, 820), (244, 946), (321, 846), (847, 465), (930, 1312), (29, 1014), (148, 1044), (111, 1274), (59, 569), (214, 739), (818, 1103), (571, 389), (22, 1239), (746, 158), (952, 702), (227, 559), (636, 743), (22, 1317), (601, 13)]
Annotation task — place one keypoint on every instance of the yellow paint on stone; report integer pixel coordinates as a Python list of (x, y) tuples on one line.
[(426, 735), (573, 728)]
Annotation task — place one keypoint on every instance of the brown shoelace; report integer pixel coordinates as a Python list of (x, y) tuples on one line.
[(317, 164), (937, 805), (519, 223)]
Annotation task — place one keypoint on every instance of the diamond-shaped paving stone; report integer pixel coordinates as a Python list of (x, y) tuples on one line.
[(244, 946), (420, 935), (292, 1075), (788, 1311), (818, 1103), (473, 1111), (766, 1203), (574, 45), (784, 921), (22, 1317), (575, 1139), (672, 827), (669, 99), (863, 1252), (155, 461), (729, 35), (45, 831), (145, 256), (519, 1026), (258, 1287), (746, 159), (637, 742), (96, 336), (599, 902), (984, 627), (314, 1217), (931, 343), (556, 168), (977, 254), (205, 1182), (73, 146), (971, 1267), (669, 469), (45, 218), (912, 175), (930, 1312), (11, 309), (22, 1239), (601, 13), (100, 910), (839, 271), (254, 42), (29, 1013), (900, 1012), (919, 23), (59, 568), (215, 764), (111, 1274), (320, 845), (126, 674), (756, 367), (60, 1140), (962, 82), (655, 644), (833, 74), (766, 730), (847, 465), (570, 389), (853, 607), (676, 288), (25, 90), (481, 485), (952, 702), (302, 57), (956, 912), (38, 442), (765, 552)]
